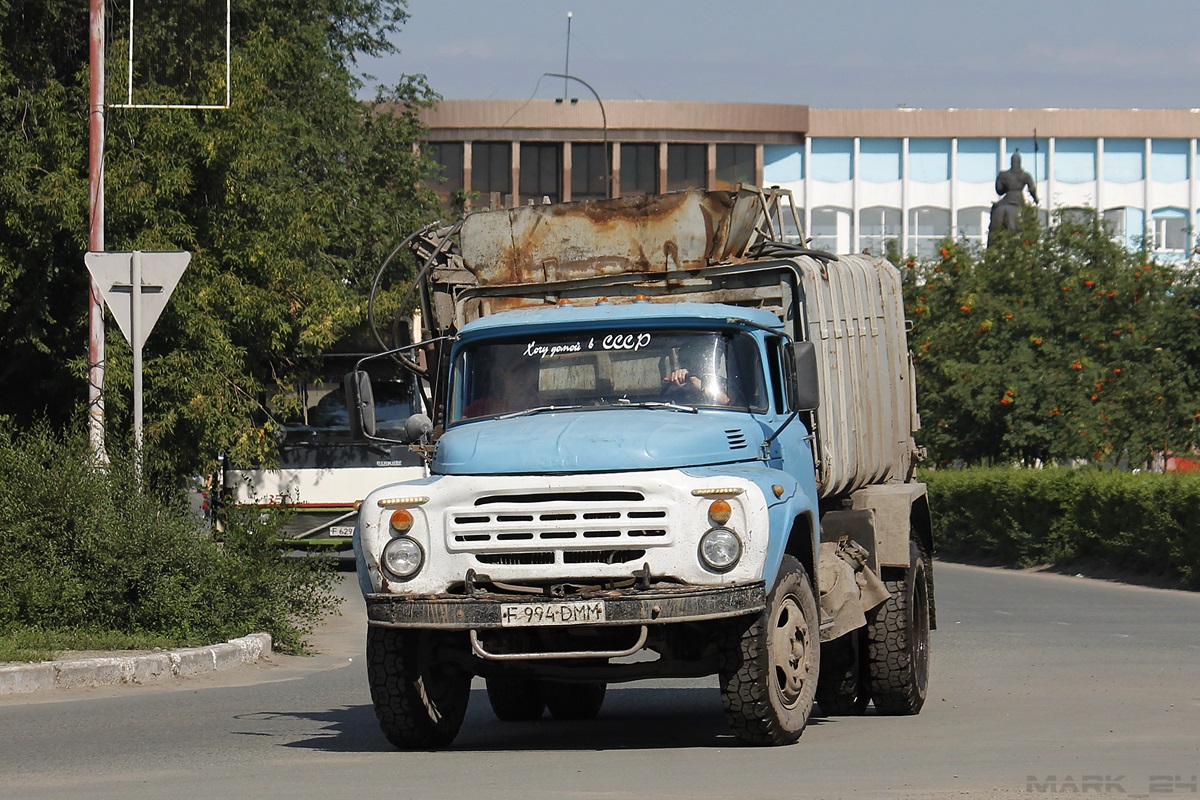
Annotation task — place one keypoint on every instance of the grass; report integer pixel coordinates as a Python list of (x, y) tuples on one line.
[(31, 644)]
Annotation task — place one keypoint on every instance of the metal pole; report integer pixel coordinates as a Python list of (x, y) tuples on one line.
[(96, 227), (567, 67), (135, 338), (604, 120)]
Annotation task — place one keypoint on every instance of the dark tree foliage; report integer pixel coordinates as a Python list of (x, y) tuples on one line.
[(1055, 346), (289, 201)]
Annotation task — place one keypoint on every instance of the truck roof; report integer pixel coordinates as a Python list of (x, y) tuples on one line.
[(608, 313)]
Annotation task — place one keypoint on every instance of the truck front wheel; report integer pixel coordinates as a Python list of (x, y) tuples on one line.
[(769, 668), (898, 641), (420, 699)]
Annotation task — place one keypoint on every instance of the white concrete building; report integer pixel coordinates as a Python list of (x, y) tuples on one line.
[(859, 177)]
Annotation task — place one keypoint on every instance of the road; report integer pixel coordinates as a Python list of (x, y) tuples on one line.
[(1041, 684)]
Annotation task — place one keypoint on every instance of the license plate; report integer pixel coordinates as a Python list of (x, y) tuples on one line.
[(519, 615), (341, 531)]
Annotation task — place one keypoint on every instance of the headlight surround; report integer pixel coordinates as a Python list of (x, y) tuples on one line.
[(720, 549), (403, 557)]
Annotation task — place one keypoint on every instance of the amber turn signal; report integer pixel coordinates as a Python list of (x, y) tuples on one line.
[(719, 512), (402, 520)]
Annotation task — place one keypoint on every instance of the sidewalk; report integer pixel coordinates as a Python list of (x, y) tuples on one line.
[(136, 669)]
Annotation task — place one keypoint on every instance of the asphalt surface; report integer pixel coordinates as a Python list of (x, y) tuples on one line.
[(1041, 684)]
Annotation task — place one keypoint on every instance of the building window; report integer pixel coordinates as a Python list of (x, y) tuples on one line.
[(1075, 160), (973, 224), (832, 160), (978, 160), (928, 160), (876, 226), (1123, 160), (735, 164), (687, 166), (1169, 160), (588, 172), (491, 168), (783, 163), (791, 218), (447, 176), (541, 172), (927, 229), (1127, 225), (830, 229), (1169, 227), (879, 160), (639, 169)]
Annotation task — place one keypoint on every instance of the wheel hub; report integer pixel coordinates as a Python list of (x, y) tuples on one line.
[(789, 651)]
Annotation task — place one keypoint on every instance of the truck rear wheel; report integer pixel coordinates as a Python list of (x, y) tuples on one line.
[(420, 700), (842, 688), (769, 669), (574, 700), (898, 641), (516, 699)]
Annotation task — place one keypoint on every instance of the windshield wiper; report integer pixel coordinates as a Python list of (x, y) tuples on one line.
[(537, 410), (621, 402), (656, 404)]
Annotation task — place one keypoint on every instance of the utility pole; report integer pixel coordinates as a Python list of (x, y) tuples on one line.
[(96, 228), (567, 68), (608, 187)]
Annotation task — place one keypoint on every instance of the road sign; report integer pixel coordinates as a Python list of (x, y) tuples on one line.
[(136, 287), (161, 272)]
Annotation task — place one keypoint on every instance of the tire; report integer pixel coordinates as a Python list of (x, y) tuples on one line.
[(574, 700), (842, 687), (898, 642), (420, 700), (770, 663), (516, 699)]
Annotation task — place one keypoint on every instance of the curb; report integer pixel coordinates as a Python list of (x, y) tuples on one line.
[(141, 669)]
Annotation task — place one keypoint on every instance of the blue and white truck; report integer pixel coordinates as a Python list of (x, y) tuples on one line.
[(665, 443)]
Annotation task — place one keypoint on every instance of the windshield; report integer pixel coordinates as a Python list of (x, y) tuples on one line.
[(321, 408), (597, 369)]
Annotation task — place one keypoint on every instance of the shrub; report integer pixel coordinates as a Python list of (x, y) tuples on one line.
[(84, 552), (1139, 523)]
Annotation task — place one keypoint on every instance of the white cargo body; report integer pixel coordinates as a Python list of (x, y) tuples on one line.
[(867, 415)]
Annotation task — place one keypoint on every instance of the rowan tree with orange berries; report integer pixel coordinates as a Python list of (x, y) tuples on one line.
[(1054, 346)]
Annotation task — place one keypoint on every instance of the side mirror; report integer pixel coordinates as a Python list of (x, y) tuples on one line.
[(360, 401), (805, 390)]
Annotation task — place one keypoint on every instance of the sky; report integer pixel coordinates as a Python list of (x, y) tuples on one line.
[(830, 54)]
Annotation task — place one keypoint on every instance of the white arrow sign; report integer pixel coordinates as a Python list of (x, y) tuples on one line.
[(160, 275)]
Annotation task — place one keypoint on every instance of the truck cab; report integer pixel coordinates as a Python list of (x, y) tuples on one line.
[(654, 475)]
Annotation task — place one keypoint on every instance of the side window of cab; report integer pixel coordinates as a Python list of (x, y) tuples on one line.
[(781, 373)]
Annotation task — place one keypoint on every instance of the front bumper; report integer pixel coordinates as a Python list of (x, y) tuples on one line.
[(483, 610)]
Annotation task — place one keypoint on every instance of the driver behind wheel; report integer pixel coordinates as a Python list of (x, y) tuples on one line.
[(696, 379)]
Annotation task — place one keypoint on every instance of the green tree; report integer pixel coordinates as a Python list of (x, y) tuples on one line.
[(289, 200), (1054, 346)]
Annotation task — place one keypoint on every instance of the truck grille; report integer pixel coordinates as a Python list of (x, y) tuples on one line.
[(570, 528)]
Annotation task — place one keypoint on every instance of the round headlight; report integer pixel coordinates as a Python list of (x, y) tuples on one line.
[(720, 549), (403, 557)]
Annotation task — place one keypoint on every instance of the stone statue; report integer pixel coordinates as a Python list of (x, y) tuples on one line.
[(1011, 185)]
